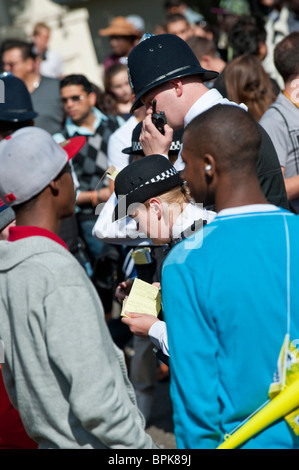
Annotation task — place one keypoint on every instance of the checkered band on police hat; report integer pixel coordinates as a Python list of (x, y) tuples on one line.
[(143, 179)]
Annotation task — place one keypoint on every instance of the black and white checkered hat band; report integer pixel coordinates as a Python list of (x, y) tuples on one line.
[(157, 179), (175, 145), (136, 147)]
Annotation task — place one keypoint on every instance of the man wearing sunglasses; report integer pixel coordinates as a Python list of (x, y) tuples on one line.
[(84, 118)]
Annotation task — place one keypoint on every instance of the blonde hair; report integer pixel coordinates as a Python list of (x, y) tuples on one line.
[(178, 195), (39, 27)]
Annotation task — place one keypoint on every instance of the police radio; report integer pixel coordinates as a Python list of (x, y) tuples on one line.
[(158, 118)]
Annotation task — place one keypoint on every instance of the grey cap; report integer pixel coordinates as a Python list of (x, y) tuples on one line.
[(7, 215), (30, 160)]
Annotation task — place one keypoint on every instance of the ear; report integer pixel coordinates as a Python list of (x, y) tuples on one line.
[(54, 187), (205, 62), (177, 86), (30, 64), (92, 98), (156, 207), (209, 167)]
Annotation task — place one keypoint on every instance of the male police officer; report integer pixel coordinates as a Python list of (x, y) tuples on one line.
[(164, 68)]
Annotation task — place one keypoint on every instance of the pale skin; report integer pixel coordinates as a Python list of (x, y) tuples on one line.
[(122, 91), (175, 98), (212, 63), (155, 218), (26, 70), (4, 234), (41, 40), (139, 323), (180, 28)]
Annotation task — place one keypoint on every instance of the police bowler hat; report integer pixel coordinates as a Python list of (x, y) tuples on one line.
[(17, 106), (143, 179), (157, 60)]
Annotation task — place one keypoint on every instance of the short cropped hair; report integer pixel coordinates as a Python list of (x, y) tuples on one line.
[(77, 79), (24, 46), (286, 56), (246, 35), (174, 18), (172, 3), (202, 46)]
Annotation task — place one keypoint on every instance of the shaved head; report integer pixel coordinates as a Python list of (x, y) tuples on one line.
[(229, 134), (220, 145)]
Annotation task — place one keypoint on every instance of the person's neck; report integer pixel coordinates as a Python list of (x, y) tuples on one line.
[(124, 108), (88, 121), (291, 93), (32, 81), (28, 221), (229, 194), (42, 214), (195, 93)]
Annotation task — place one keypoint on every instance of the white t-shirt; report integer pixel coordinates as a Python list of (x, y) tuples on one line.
[(118, 141)]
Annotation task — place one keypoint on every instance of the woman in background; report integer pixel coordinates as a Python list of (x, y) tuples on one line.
[(247, 82), (118, 97)]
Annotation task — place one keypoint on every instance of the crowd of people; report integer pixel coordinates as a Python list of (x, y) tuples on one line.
[(182, 171)]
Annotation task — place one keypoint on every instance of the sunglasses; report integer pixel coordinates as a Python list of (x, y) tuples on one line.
[(74, 99)]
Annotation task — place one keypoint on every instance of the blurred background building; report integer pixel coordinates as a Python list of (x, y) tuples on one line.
[(75, 24)]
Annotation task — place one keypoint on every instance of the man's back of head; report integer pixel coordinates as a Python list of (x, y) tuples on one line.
[(228, 133), (248, 36), (220, 151), (206, 52), (286, 57)]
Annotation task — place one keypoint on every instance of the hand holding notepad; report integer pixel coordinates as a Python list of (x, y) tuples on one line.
[(143, 298)]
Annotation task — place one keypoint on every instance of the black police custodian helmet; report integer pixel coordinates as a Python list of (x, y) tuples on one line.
[(17, 106), (157, 60)]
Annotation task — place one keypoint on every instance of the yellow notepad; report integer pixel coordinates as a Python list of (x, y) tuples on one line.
[(143, 298)]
